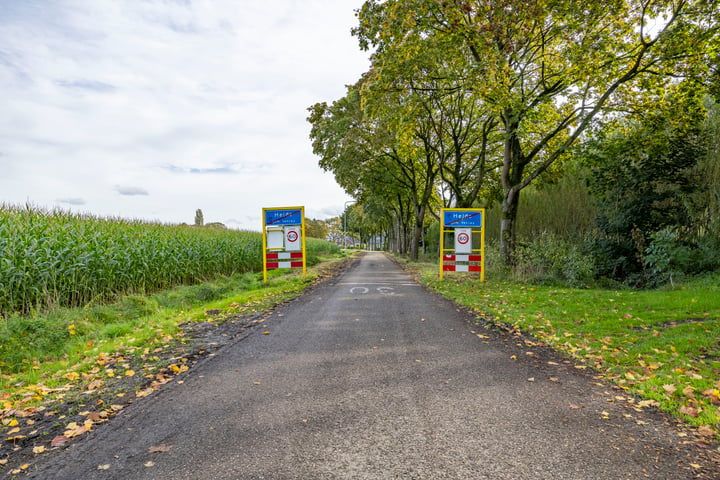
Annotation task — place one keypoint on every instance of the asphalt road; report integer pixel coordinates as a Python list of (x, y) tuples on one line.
[(370, 376)]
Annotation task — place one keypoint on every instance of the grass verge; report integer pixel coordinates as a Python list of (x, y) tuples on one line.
[(661, 345)]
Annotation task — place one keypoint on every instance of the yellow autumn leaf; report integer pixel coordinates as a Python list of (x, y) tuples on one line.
[(669, 388), (38, 449), (12, 423), (73, 430), (13, 430), (129, 373)]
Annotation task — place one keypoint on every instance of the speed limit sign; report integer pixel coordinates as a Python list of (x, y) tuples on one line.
[(292, 239), (463, 243)]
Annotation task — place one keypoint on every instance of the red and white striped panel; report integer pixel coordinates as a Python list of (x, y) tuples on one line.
[(283, 260), (468, 263)]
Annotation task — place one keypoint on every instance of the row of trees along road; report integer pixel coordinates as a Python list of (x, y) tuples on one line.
[(469, 101)]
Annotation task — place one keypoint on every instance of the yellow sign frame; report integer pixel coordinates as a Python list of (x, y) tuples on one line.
[(286, 216), (452, 218)]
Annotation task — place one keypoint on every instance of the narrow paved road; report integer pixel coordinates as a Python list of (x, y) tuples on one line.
[(370, 376)]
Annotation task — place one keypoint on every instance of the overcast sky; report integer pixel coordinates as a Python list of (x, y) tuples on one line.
[(152, 109)]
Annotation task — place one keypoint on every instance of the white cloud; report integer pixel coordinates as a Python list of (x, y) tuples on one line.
[(130, 191), (202, 103)]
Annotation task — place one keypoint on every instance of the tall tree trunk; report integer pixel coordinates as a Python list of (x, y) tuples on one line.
[(418, 231), (514, 164), (508, 218)]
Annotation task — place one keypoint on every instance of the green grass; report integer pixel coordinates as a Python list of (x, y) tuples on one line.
[(662, 345)]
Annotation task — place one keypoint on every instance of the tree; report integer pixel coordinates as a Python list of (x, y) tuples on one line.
[(199, 220), (316, 228), (644, 177), (379, 150), (545, 69)]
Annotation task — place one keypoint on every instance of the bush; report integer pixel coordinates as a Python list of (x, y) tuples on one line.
[(551, 259)]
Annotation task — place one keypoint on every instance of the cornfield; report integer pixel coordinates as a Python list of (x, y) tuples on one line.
[(55, 258)]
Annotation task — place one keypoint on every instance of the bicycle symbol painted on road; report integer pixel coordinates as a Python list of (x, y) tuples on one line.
[(380, 290)]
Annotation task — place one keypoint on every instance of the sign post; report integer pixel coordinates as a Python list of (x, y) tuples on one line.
[(467, 228), (283, 239)]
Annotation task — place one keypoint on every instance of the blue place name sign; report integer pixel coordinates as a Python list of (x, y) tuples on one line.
[(462, 218), (291, 216)]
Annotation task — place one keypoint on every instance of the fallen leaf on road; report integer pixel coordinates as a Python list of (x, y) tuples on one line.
[(19, 470), (59, 441), (38, 449), (95, 384), (149, 464), (706, 431), (160, 449), (104, 467)]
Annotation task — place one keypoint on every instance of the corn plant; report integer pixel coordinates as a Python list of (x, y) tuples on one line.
[(56, 258)]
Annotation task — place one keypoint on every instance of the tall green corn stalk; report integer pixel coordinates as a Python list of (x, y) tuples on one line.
[(55, 258)]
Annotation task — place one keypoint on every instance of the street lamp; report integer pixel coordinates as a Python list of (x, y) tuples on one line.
[(345, 221)]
